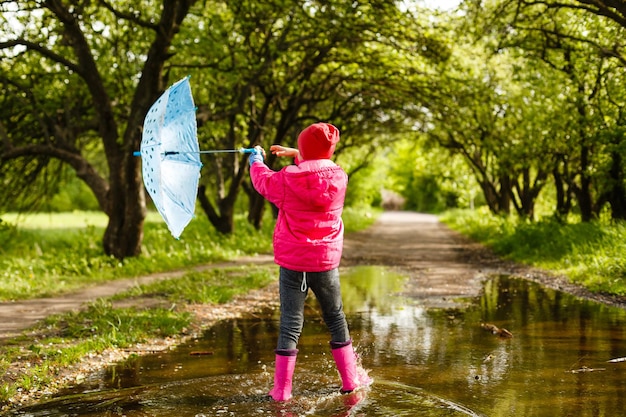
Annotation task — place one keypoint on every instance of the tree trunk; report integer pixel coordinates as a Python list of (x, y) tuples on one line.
[(585, 201), (528, 192), (504, 195), (617, 194), (126, 210), (223, 222), (563, 199), (490, 194), (256, 209)]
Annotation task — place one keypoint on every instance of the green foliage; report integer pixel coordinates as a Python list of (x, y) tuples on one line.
[(430, 179), (556, 109), (365, 184), (518, 91), (589, 253), (72, 195)]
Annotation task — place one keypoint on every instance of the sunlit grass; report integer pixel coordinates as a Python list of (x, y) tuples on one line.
[(592, 254), (62, 221), (37, 262), (48, 254)]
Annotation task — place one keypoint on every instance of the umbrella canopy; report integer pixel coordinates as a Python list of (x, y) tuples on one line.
[(170, 156)]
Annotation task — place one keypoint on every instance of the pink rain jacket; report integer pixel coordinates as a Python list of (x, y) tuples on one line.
[(308, 236)]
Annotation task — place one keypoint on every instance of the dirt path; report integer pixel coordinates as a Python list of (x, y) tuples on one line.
[(441, 264)]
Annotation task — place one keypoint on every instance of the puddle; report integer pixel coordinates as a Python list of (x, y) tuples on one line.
[(424, 361)]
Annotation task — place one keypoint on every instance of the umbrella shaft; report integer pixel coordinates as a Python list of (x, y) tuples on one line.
[(167, 153), (242, 150)]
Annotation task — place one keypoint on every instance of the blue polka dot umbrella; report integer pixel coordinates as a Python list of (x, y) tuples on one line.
[(170, 156)]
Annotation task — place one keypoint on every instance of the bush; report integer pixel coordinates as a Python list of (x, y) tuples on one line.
[(590, 253)]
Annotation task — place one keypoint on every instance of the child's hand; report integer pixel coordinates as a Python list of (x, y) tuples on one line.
[(257, 156), (259, 150), (284, 151)]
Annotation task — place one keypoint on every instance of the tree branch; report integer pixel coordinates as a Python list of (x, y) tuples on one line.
[(84, 170), (133, 17), (42, 51), (603, 50)]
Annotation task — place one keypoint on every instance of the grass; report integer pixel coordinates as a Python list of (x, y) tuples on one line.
[(212, 287), (49, 254), (591, 254), (44, 257), (39, 262), (32, 365)]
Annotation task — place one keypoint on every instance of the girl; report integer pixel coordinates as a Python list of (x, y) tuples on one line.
[(308, 242)]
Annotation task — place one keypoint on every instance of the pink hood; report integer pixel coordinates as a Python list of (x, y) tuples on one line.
[(308, 235)]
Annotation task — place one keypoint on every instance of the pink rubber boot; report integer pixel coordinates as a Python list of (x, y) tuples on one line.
[(283, 374), (352, 374)]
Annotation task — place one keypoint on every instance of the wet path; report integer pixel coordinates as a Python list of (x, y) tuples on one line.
[(441, 264), (425, 361)]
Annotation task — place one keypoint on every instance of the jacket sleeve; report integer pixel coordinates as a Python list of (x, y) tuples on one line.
[(268, 183)]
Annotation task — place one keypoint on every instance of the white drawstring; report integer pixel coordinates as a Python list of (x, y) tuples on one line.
[(303, 287)]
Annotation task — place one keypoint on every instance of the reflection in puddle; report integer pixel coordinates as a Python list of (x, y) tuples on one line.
[(424, 361)]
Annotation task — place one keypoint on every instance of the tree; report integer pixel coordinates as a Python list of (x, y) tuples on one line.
[(581, 40), (498, 113), (275, 67), (79, 77), (63, 102)]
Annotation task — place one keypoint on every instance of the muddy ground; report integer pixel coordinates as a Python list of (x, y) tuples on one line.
[(441, 265)]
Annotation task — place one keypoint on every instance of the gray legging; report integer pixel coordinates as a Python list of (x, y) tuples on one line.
[(294, 287)]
